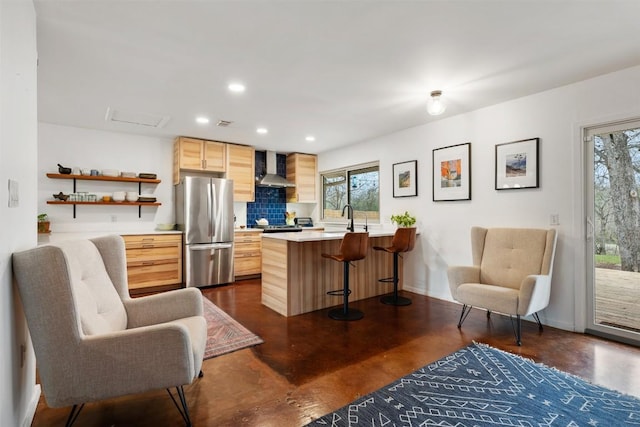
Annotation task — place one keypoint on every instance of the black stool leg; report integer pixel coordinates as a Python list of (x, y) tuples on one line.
[(345, 313), (395, 299)]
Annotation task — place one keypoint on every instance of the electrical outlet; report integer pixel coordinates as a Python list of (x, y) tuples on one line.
[(554, 219), (23, 353), (114, 218)]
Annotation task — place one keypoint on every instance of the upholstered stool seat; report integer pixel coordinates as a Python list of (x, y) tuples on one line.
[(403, 240), (352, 248)]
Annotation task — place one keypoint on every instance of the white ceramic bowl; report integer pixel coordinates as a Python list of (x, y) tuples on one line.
[(165, 227), (132, 196), (118, 196)]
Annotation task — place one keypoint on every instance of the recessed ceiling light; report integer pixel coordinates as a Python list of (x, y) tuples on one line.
[(310, 138), (236, 87), (202, 120), (262, 131)]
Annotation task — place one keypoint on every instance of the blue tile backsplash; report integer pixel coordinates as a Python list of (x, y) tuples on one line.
[(270, 203)]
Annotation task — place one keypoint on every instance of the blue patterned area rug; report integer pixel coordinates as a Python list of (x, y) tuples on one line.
[(482, 386)]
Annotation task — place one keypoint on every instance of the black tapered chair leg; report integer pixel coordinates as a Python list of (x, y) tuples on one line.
[(182, 407), (465, 312), (73, 415), (535, 316)]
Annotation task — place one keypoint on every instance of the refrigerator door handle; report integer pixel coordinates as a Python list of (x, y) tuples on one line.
[(214, 246), (214, 211), (209, 207)]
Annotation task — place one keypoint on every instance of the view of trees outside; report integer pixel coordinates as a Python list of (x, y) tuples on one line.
[(359, 187), (617, 203)]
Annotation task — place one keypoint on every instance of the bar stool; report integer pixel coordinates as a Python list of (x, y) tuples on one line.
[(404, 240), (352, 248)]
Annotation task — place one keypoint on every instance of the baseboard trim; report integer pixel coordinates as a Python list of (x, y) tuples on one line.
[(31, 408)]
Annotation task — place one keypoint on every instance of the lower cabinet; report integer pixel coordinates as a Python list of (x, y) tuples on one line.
[(153, 260), (247, 255)]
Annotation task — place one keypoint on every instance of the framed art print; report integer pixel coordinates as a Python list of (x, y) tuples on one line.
[(405, 179), (517, 164), (452, 173)]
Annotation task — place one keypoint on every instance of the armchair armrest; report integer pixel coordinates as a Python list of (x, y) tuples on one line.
[(124, 362), (534, 294), (462, 274), (163, 307)]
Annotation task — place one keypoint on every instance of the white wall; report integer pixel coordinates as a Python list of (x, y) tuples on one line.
[(19, 393), (555, 117), (94, 149)]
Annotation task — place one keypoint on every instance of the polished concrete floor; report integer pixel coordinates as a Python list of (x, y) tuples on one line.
[(310, 365)]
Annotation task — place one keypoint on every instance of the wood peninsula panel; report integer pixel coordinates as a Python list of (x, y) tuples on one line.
[(153, 260), (296, 278)]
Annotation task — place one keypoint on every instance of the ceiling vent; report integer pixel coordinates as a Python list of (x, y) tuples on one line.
[(224, 123), (138, 119)]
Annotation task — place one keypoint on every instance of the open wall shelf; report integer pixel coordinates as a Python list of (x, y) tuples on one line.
[(75, 178)]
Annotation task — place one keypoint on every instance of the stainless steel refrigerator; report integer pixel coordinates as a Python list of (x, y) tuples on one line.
[(204, 212)]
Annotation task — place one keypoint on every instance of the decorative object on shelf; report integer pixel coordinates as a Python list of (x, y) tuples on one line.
[(119, 196), (125, 174), (44, 224), (61, 196), (517, 164), (452, 173), (405, 179), (146, 199), (112, 172), (148, 175), (404, 220), (131, 196), (63, 170)]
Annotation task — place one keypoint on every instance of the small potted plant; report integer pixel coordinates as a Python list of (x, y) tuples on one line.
[(404, 220), (43, 224)]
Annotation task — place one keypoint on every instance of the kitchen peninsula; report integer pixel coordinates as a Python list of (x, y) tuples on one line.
[(296, 278)]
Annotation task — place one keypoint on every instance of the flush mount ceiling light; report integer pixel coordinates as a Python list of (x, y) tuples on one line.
[(310, 138), (435, 106), (236, 87), (262, 131), (202, 120)]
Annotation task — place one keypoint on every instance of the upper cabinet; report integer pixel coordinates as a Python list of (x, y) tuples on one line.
[(198, 155), (302, 169), (241, 169)]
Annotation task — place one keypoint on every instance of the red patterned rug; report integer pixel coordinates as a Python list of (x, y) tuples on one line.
[(224, 334)]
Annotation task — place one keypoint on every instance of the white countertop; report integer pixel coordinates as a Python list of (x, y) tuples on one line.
[(311, 236), (56, 237)]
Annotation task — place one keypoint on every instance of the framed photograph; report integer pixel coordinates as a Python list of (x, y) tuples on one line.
[(517, 164), (452, 173), (405, 179)]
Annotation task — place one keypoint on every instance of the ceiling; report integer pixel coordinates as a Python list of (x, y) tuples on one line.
[(342, 71)]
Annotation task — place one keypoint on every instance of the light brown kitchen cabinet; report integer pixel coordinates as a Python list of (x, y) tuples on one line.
[(153, 260), (241, 169), (247, 255), (198, 155), (302, 169)]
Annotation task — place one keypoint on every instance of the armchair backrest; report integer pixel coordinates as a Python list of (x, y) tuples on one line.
[(98, 305), (507, 255)]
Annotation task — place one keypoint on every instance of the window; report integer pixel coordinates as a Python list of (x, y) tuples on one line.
[(356, 185)]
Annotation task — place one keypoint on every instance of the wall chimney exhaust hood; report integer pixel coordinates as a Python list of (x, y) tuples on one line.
[(271, 178)]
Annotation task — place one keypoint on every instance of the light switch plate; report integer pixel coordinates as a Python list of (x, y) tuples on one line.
[(13, 193)]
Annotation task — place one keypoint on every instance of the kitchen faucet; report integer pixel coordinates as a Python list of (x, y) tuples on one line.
[(349, 209)]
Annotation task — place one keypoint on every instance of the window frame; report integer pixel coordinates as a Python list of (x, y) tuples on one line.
[(346, 173)]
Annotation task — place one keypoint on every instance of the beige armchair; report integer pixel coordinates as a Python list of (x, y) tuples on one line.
[(91, 340), (511, 273)]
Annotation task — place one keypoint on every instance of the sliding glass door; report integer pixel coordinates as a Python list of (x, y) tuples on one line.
[(613, 230)]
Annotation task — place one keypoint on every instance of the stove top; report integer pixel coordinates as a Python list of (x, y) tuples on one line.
[(279, 228)]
